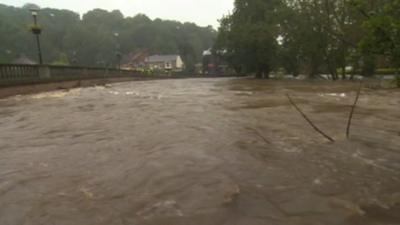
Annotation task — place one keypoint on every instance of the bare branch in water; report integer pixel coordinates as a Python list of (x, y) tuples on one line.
[(352, 111), (308, 120)]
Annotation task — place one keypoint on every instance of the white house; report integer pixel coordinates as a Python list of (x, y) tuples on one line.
[(165, 62)]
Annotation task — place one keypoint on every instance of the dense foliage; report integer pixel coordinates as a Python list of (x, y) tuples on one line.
[(92, 41), (311, 36)]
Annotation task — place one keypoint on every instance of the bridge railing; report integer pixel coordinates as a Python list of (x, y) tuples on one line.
[(13, 74), (18, 72)]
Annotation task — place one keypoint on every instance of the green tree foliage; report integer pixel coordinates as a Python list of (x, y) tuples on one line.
[(62, 60), (248, 36), (92, 40), (311, 36), (382, 24)]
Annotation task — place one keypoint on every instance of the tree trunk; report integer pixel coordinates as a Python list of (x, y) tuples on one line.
[(331, 68), (295, 73), (343, 72), (259, 74), (352, 76), (313, 71), (266, 72), (262, 72), (266, 75), (354, 70), (238, 70)]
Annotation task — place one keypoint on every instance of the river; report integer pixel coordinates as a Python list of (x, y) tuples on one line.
[(218, 151)]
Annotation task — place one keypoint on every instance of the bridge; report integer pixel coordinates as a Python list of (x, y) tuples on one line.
[(35, 78)]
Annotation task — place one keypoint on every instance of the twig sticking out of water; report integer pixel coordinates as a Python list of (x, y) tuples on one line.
[(260, 135), (308, 120), (352, 111)]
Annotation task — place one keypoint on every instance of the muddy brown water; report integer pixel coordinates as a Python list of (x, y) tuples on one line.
[(200, 151)]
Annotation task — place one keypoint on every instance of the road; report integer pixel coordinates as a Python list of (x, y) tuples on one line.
[(200, 151)]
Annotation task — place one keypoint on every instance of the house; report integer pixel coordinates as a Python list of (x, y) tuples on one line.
[(134, 60), (165, 62)]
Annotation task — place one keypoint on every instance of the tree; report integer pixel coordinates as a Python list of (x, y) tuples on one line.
[(91, 41), (310, 36), (248, 36), (62, 60), (383, 28)]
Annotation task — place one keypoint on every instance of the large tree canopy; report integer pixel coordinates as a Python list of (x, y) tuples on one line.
[(382, 22), (248, 36), (92, 40), (311, 36)]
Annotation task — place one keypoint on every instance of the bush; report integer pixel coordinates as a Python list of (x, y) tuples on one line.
[(382, 71), (386, 71)]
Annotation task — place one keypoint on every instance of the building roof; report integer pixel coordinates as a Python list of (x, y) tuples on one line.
[(23, 59), (134, 58), (161, 58)]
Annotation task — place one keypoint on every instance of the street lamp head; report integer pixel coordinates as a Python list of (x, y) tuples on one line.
[(34, 11)]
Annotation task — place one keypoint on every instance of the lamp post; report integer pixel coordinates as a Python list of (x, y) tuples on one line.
[(36, 30), (118, 52)]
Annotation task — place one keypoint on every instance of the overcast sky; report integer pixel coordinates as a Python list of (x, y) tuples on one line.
[(202, 12)]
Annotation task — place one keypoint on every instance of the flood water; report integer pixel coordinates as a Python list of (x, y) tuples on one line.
[(217, 151)]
